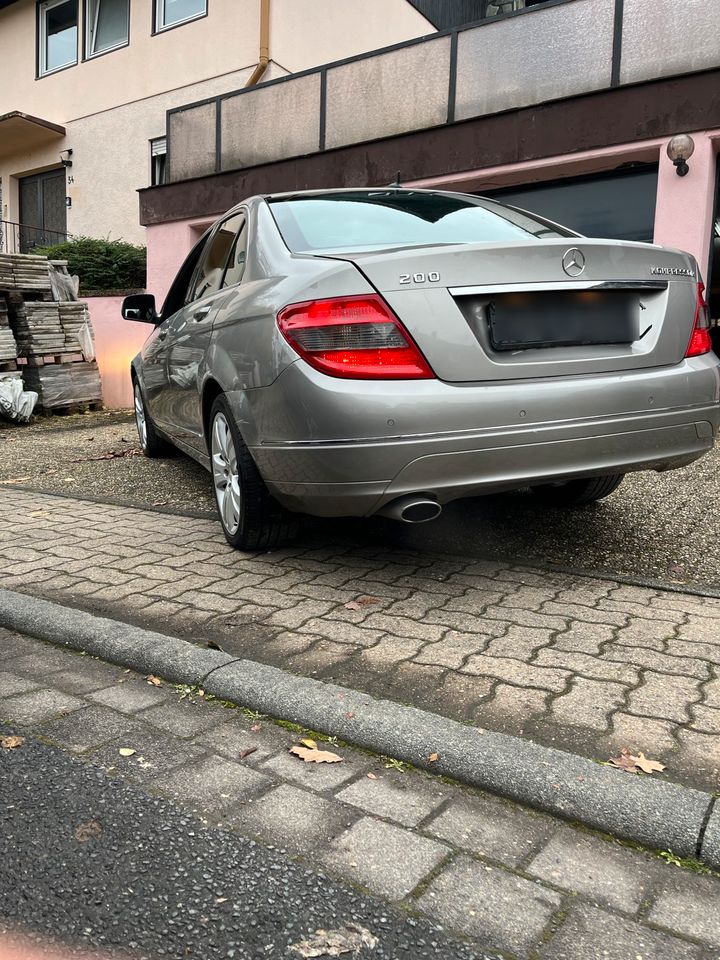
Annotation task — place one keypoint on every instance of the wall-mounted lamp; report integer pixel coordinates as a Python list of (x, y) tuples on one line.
[(680, 149), (66, 161)]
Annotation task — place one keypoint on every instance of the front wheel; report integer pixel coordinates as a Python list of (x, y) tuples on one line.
[(578, 493), (251, 519)]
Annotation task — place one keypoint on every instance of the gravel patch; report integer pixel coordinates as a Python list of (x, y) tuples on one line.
[(657, 526)]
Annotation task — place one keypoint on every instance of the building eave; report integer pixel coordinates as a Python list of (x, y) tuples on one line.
[(20, 132)]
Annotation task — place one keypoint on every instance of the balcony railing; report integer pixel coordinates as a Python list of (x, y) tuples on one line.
[(524, 53), (21, 238)]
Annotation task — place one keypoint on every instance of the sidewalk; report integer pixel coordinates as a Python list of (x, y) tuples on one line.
[(505, 877), (582, 663)]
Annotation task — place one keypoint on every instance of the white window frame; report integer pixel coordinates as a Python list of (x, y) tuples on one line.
[(42, 11), (92, 10), (158, 148), (160, 24)]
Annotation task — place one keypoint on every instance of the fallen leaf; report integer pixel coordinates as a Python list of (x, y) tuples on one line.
[(11, 743), (221, 900), (39, 513), (372, 776), (255, 727), (247, 752), (211, 645), (126, 752), (336, 943), (16, 480), (361, 602), (315, 756), (648, 766), (310, 744), (155, 681), (433, 757), (624, 762), (86, 831)]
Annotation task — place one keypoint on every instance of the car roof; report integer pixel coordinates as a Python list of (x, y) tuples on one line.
[(333, 191)]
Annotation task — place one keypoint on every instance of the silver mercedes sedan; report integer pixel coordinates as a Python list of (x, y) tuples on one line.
[(386, 351)]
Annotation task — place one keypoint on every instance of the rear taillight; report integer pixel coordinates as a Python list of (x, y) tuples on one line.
[(700, 341), (356, 337)]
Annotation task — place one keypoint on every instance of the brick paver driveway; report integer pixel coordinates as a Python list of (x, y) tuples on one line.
[(584, 664)]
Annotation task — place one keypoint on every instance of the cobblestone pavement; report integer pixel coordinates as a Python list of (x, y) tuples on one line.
[(509, 879), (585, 664)]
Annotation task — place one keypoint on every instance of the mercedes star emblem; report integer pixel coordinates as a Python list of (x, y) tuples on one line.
[(573, 262)]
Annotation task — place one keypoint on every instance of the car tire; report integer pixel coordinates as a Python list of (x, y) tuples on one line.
[(250, 517), (578, 493), (151, 442)]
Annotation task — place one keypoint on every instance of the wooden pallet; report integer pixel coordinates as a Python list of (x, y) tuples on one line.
[(8, 366), (43, 359)]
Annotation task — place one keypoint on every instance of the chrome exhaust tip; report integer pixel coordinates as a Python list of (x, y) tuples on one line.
[(411, 509)]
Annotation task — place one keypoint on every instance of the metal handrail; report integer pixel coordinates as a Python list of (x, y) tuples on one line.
[(22, 238)]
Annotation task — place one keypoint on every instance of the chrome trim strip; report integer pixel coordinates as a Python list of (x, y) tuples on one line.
[(557, 285)]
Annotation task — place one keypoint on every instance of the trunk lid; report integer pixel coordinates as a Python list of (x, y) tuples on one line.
[(488, 311)]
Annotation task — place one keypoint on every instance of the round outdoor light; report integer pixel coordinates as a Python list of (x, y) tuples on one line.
[(680, 149)]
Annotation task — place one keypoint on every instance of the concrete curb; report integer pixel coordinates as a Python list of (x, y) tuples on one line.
[(654, 813)]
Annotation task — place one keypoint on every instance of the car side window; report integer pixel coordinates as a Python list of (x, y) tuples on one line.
[(211, 269), (238, 259)]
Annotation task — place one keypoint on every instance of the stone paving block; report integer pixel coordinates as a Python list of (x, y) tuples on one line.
[(701, 628), (589, 666), (11, 684), (664, 696), (31, 708), (90, 727), (233, 738), (569, 611), (688, 905), (639, 733), (294, 819), (646, 633), (590, 932), (476, 601), (706, 719), (510, 708), (528, 618), (86, 675), (300, 613), (388, 860), (464, 622), (185, 718), (458, 694), (699, 756), (588, 703), (405, 798), (14, 645), (452, 650), (519, 643), (405, 628), (389, 650), (491, 827), (584, 638), (212, 784), (46, 660), (155, 753), (341, 631), (130, 695), (693, 649), (502, 911), (315, 776), (650, 659), (518, 673), (609, 874)]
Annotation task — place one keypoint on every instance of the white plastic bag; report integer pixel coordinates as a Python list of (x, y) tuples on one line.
[(86, 342), (16, 403)]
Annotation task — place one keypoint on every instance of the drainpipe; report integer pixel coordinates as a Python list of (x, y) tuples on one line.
[(264, 58)]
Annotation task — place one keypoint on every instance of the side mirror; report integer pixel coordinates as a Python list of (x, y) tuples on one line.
[(140, 307)]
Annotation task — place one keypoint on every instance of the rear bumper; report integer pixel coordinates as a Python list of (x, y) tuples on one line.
[(577, 427)]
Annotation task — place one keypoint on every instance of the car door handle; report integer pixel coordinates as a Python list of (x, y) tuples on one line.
[(202, 312)]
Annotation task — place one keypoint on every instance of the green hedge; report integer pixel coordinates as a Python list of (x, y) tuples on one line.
[(106, 265)]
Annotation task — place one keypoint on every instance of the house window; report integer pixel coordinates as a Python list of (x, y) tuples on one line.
[(158, 161), (169, 13), (107, 23), (57, 34)]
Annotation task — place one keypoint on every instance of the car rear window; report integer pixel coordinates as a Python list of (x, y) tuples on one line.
[(401, 218)]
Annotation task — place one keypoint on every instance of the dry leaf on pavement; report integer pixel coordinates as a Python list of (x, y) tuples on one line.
[(361, 602), (315, 756), (433, 757), (632, 763), (372, 776), (247, 752), (11, 743), (155, 681), (310, 744), (86, 831), (648, 766), (336, 943), (126, 752)]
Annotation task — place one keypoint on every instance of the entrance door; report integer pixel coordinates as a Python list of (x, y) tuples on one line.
[(43, 214)]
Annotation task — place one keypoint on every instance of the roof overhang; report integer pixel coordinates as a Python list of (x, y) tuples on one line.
[(19, 132), (6, 3)]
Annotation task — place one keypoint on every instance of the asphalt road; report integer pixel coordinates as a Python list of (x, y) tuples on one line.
[(96, 865), (657, 526)]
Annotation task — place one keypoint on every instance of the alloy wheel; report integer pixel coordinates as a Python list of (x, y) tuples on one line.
[(225, 473)]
